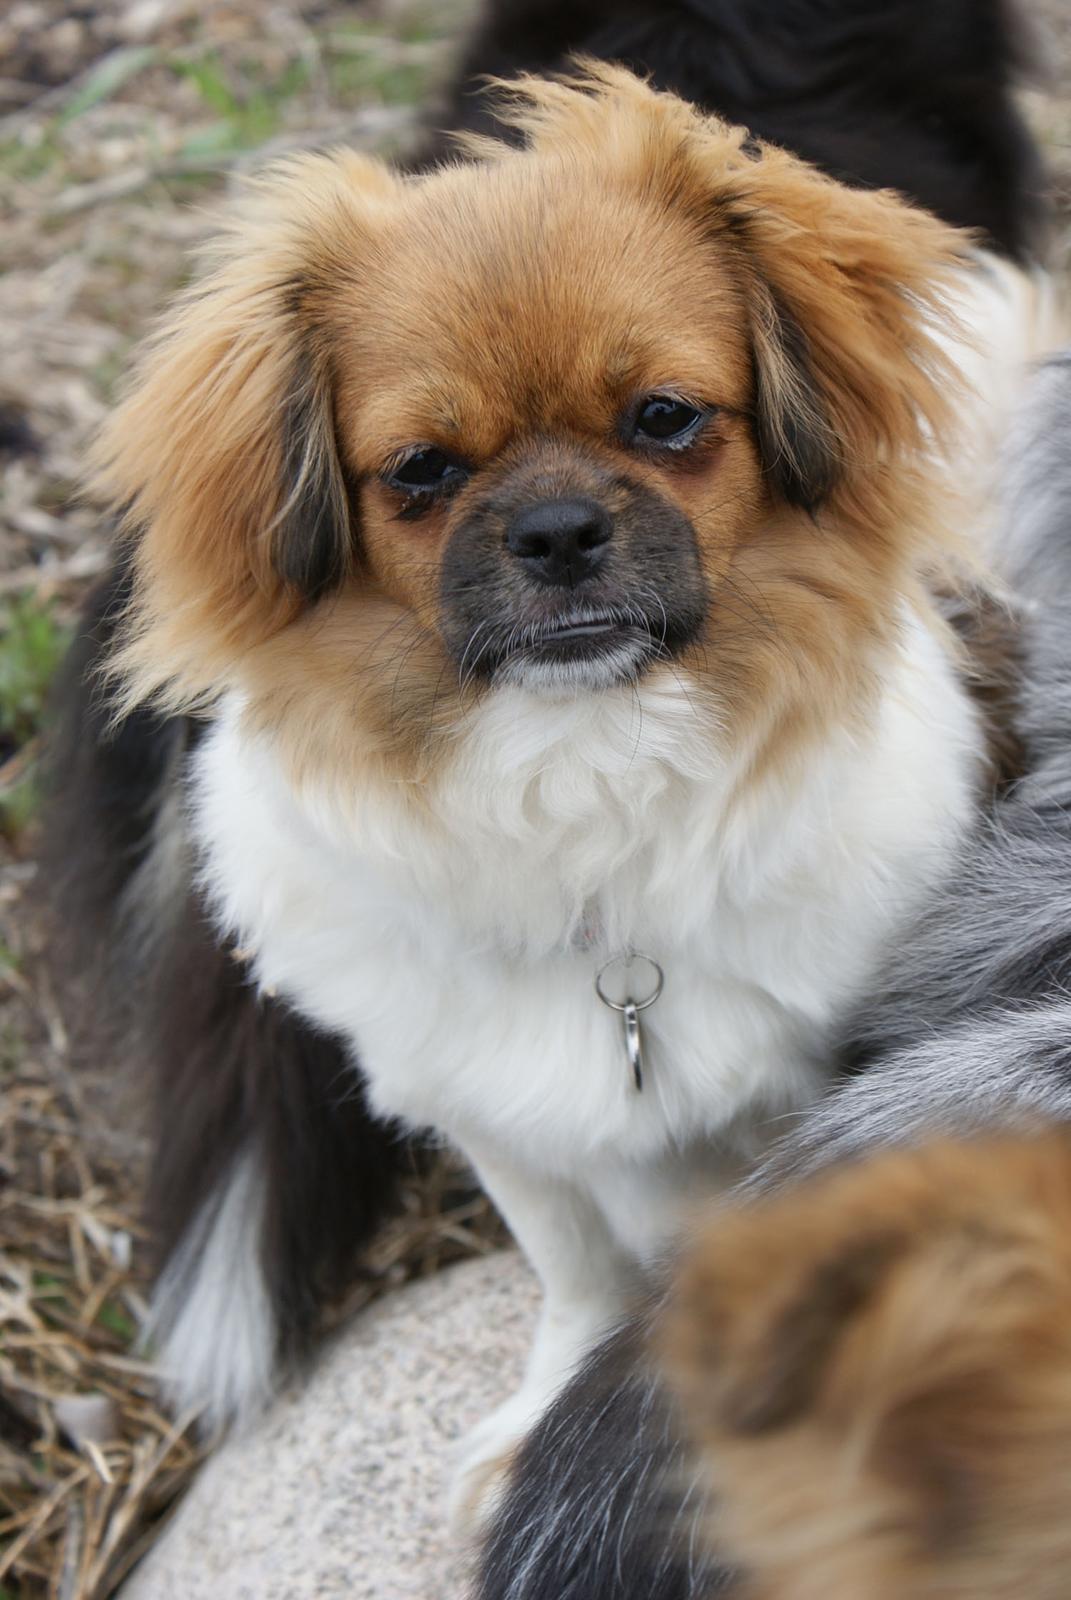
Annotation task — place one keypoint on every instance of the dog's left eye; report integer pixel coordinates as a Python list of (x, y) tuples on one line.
[(663, 419), (427, 471)]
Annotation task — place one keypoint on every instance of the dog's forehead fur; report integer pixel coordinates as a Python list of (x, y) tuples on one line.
[(537, 292)]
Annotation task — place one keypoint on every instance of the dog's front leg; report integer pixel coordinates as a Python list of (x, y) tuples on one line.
[(585, 1278)]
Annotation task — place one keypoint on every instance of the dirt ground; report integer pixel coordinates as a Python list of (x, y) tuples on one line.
[(120, 123)]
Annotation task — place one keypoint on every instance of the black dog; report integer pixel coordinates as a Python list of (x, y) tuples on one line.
[(891, 94)]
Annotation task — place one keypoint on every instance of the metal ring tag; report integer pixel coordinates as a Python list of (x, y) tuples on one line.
[(655, 984), (630, 1006)]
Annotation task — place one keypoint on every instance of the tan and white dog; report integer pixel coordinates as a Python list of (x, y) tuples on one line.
[(553, 545)]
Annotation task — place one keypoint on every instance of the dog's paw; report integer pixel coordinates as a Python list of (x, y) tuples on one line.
[(875, 1368), (485, 1458)]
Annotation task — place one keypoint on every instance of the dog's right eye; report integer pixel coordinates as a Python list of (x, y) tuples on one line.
[(427, 471)]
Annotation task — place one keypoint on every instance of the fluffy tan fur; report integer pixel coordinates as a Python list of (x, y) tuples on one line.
[(526, 296), (876, 1369)]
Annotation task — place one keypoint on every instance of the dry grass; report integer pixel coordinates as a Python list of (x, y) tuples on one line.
[(88, 1459), (119, 121)]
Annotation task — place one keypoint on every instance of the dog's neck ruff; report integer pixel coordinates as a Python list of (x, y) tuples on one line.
[(453, 935)]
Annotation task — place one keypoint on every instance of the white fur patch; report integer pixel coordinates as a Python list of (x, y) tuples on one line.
[(1009, 321), (211, 1323)]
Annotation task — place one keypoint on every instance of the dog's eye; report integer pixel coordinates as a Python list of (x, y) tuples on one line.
[(662, 419), (427, 471)]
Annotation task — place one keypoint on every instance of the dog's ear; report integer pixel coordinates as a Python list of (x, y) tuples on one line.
[(794, 426), (846, 291), (223, 457)]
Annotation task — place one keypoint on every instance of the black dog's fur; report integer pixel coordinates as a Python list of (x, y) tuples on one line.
[(971, 1030), (907, 93), (603, 1503), (914, 95)]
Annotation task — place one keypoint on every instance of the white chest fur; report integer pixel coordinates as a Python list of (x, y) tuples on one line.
[(452, 943)]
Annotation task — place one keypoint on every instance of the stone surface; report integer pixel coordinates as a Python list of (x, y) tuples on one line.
[(340, 1489)]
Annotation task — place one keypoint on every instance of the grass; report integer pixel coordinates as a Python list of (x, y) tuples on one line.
[(246, 115), (105, 79), (33, 641)]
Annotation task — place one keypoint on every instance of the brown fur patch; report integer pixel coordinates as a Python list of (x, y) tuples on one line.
[(634, 246), (989, 630), (876, 1369)]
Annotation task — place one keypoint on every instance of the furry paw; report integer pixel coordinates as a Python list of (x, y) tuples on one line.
[(876, 1370), (484, 1460)]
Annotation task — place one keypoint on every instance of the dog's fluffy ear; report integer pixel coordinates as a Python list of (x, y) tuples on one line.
[(847, 291), (845, 288), (223, 456)]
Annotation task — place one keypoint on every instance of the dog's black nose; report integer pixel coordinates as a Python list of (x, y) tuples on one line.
[(561, 541)]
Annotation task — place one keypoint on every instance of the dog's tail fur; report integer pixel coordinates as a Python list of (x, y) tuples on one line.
[(268, 1174), (875, 1368)]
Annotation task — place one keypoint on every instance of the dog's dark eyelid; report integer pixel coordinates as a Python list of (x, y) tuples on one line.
[(426, 471)]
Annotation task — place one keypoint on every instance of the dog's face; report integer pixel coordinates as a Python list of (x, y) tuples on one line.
[(543, 405), (639, 393)]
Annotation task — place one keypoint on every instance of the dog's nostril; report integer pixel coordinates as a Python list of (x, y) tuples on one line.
[(560, 541)]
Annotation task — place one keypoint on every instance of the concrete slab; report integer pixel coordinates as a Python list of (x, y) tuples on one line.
[(339, 1491)]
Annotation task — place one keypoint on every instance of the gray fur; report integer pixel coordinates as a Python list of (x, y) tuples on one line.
[(972, 1026)]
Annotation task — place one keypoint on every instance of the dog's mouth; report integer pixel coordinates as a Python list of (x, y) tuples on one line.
[(584, 649), (567, 631)]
